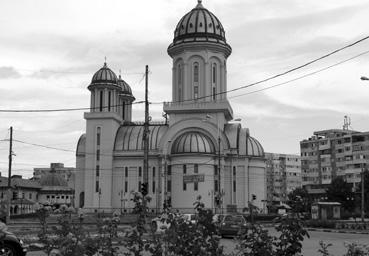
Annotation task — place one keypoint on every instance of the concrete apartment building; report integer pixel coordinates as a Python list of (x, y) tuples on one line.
[(283, 176), (331, 153)]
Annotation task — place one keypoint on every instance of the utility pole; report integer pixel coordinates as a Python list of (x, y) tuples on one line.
[(10, 174), (146, 135), (362, 195)]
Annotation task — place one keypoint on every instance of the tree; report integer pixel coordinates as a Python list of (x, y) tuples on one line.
[(340, 191), (299, 200), (366, 191)]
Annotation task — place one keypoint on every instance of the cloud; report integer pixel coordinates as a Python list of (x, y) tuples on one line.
[(9, 72)]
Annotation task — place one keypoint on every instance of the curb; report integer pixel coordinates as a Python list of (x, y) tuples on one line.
[(339, 231)]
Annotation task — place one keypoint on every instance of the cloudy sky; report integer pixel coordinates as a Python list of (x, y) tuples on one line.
[(49, 51)]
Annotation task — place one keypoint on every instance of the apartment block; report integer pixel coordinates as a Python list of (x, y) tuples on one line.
[(283, 176), (335, 152)]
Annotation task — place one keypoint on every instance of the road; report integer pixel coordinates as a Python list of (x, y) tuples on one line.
[(310, 246)]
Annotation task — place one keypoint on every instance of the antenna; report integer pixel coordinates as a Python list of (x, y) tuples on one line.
[(346, 122)]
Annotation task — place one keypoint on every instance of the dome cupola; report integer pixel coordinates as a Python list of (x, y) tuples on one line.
[(199, 25), (126, 89), (104, 75), (193, 142)]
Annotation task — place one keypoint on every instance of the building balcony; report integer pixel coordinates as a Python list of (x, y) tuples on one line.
[(199, 107)]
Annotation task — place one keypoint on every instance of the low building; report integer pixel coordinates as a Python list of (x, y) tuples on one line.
[(24, 194)]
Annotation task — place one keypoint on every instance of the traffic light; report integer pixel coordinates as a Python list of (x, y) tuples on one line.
[(144, 189), (253, 197)]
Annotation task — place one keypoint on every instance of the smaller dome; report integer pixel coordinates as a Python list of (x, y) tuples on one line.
[(126, 89), (193, 142), (53, 179), (104, 75), (254, 147)]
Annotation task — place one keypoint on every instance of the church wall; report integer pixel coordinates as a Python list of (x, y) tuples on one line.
[(258, 181), (119, 178), (79, 180), (184, 199)]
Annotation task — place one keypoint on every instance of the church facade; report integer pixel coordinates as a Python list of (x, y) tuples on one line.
[(199, 150)]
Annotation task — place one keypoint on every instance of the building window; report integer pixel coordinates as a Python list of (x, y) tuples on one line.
[(101, 100), (23, 195), (196, 186), (109, 100), (214, 73), (62, 197), (66, 197), (98, 136), (184, 169), (234, 186), (153, 172), (124, 110), (179, 75), (196, 72), (97, 189), (97, 170), (139, 171), (126, 172), (234, 171), (215, 170), (216, 185), (98, 155), (126, 186), (52, 197), (196, 168), (2, 194), (169, 186), (169, 170), (184, 186), (139, 186), (214, 93), (195, 92), (153, 187), (47, 197)]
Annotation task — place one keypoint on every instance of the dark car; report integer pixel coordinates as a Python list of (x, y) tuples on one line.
[(10, 245), (232, 225)]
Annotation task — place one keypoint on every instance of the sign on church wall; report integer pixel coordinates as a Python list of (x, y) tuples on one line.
[(193, 178)]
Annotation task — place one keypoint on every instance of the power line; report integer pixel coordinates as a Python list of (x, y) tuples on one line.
[(303, 76), (274, 76), (64, 109)]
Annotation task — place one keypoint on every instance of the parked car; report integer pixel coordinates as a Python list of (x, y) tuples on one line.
[(11, 245), (217, 218), (232, 225)]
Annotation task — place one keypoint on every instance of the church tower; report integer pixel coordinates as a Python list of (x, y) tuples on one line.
[(111, 105), (199, 75)]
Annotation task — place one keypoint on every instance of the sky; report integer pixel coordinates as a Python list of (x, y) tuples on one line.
[(49, 51)]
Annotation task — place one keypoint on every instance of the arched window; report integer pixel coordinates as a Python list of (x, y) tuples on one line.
[(179, 81), (195, 80), (109, 101), (124, 110), (214, 80), (101, 100)]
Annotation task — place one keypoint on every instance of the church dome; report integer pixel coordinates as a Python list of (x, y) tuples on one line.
[(104, 75), (53, 179), (193, 142), (199, 25), (126, 89)]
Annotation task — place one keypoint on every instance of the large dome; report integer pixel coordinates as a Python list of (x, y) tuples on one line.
[(199, 25), (193, 142), (104, 75)]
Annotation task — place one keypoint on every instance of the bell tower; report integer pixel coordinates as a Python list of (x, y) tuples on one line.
[(199, 75)]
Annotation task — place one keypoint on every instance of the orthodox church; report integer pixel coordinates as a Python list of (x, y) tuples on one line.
[(199, 150)]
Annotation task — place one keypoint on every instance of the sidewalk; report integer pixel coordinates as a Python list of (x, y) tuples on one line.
[(346, 231)]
